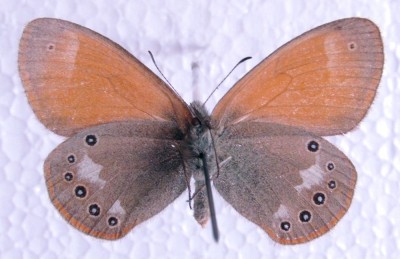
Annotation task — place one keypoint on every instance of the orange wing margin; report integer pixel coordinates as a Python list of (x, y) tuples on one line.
[(75, 78), (322, 81)]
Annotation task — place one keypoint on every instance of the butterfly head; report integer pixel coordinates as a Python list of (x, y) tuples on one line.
[(202, 117)]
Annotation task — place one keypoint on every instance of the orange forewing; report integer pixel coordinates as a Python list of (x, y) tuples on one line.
[(322, 81), (75, 78)]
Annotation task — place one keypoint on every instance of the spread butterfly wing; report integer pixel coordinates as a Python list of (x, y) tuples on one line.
[(294, 185), (75, 78), (108, 179), (323, 81)]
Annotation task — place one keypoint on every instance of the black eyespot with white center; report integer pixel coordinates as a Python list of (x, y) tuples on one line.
[(285, 226), (332, 184), (94, 210), (352, 46), (51, 47), (71, 159), (305, 216), (68, 176), (91, 140), (112, 221), (313, 146), (80, 191), (330, 166), (319, 198)]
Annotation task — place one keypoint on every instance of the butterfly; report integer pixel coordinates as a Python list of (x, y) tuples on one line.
[(133, 144)]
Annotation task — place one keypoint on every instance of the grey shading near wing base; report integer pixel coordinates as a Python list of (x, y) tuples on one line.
[(294, 185), (107, 179)]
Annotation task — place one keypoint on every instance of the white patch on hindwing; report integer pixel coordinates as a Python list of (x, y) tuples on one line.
[(117, 208), (282, 212), (90, 171), (311, 176)]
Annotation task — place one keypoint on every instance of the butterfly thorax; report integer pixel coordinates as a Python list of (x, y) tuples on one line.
[(202, 154)]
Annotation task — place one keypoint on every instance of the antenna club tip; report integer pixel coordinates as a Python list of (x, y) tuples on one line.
[(246, 58)]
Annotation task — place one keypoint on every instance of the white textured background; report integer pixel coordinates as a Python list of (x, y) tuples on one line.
[(216, 35)]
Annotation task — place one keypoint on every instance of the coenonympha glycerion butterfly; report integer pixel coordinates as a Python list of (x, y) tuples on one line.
[(133, 143)]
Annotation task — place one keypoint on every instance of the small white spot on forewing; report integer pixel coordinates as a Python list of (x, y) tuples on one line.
[(117, 208), (223, 163), (311, 176), (240, 119), (90, 171), (282, 212)]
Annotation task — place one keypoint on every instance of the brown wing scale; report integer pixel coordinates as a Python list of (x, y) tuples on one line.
[(294, 185), (323, 81), (108, 179), (75, 78)]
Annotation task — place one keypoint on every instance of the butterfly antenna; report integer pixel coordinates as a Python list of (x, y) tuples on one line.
[(213, 216), (155, 63), (215, 89)]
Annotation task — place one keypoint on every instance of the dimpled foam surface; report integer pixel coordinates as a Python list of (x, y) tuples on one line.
[(215, 35)]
